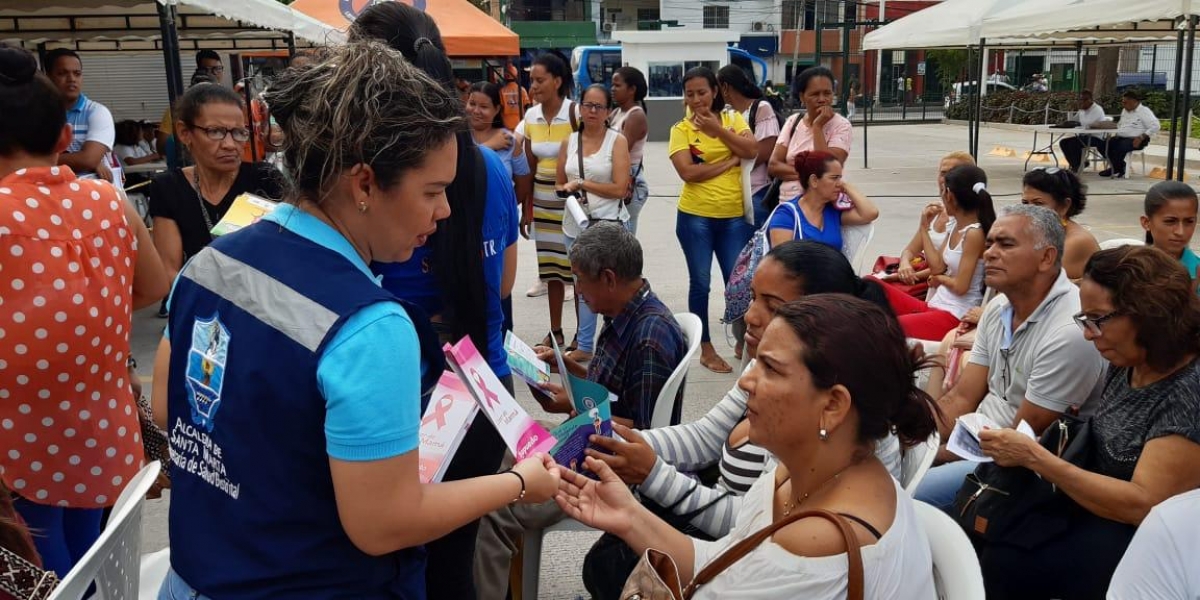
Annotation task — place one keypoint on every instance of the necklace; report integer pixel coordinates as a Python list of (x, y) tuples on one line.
[(789, 506), (203, 203)]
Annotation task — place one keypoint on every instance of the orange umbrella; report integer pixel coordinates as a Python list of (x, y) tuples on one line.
[(466, 30)]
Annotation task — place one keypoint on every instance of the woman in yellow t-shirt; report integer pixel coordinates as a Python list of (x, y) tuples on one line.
[(707, 148)]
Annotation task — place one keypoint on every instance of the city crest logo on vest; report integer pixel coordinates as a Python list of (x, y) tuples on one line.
[(206, 370), (352, 8)]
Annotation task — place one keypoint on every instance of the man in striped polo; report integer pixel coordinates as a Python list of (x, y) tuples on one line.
[(90, 152)]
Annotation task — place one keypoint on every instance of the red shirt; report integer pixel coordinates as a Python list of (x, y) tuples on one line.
[(69, 432)]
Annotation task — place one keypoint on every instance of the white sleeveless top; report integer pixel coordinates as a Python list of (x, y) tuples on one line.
[(638, 149), (598, 168), (897, 566), (948, 301)]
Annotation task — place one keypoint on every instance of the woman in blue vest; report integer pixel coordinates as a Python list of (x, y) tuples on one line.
[(462, 276), (290, 381)]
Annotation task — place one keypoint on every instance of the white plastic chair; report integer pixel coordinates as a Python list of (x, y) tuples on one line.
[(153, 571), (531, 546), (855, 239), (1118, 242), (113, 561), (1129, 162), (956, 572), (915, 462)]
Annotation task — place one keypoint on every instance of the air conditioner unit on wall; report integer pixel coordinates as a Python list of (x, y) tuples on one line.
[(608, 27), (759, 26)]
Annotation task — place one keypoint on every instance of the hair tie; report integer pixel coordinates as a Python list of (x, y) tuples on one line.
[(420, 41), (979, 187)]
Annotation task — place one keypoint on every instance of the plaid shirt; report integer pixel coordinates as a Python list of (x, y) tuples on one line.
[(636, 354)]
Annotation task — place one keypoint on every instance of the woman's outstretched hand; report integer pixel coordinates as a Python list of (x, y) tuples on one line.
[(607, 504)]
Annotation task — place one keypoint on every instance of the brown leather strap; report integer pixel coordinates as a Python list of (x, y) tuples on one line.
[(583, 199), (741, 549)]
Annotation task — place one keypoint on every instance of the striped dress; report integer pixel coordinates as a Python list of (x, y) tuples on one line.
[(546, 139)]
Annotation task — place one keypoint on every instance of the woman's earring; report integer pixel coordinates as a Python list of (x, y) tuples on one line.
[(823, 434), (362, 207)]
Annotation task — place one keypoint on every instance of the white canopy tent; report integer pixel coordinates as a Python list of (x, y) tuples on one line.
[(132, 25), (1031, 23)]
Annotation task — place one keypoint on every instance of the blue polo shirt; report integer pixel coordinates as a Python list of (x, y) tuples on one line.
[(414, 279), (91, 121)]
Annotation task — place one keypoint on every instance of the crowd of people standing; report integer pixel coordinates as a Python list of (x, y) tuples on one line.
[(299, 354)]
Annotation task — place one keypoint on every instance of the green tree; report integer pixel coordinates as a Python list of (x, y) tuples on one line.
[(951, 66)]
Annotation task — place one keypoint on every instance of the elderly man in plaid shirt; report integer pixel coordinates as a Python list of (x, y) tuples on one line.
[(640, 346)]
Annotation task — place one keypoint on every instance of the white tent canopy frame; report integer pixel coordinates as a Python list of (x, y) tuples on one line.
[(992, 24), (136, 25)]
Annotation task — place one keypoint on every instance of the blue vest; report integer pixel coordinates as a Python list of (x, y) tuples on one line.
[(253, 512)]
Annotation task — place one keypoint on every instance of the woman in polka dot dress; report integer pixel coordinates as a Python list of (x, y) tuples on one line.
[(70, 276)]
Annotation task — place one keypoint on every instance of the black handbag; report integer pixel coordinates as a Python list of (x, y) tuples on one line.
[(1014, 505)]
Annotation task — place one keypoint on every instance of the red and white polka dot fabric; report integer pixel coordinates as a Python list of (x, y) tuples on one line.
[(69, 433)]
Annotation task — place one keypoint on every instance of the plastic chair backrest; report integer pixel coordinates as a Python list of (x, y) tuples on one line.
[(1118, 242), (915, 462), (956, 572), (114, 561), (855, 239), (664, 405)]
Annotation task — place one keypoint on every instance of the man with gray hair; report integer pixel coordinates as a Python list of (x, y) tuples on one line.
[(1030, 362), (639, 347)]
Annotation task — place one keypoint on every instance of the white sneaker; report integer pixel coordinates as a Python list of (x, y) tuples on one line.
[(538, 290)]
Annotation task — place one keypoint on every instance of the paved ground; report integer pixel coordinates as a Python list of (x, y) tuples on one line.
[(901, 179)]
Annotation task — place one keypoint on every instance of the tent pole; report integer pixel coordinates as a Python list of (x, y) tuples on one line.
[(170, 48), (982, 68), (1187, 97), (879, 54), (970, 100), (291, 42), (1175, 106), (1078, 66)]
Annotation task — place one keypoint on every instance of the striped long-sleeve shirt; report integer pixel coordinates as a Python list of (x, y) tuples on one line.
[(688, 448)]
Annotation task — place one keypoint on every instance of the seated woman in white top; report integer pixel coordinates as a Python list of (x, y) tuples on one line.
[(833, 376), (600, 187), (956, 285), (937, 230)]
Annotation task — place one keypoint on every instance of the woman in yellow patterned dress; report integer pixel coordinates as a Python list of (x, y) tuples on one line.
[(550, 83)]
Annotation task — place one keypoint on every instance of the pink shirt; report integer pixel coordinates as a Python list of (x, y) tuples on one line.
[(838, 134)]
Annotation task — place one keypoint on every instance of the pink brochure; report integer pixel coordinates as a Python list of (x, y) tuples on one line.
[(523, 436), (450, 413)]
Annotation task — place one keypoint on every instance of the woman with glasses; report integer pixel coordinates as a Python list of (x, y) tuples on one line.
[(187, 203), (1061, 191), (1140, 311), (603, 155)]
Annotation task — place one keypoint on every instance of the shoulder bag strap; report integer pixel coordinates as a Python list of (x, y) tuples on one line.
[(753, 118), (582, 175), (741, 549)]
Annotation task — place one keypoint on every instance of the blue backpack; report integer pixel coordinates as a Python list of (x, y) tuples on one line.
[(738, 292)]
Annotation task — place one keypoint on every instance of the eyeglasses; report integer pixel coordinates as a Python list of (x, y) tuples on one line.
[(215, 70), (593, 107), (217, 134), (1094, 325)]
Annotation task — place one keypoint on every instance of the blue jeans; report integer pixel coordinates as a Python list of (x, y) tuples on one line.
[(641, 192), (701, 238), (175, 588), (62, 535), (941, 484), (587, 318), (761, 214)]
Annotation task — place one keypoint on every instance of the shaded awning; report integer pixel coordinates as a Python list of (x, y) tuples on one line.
[(466, 30), (135, 24)]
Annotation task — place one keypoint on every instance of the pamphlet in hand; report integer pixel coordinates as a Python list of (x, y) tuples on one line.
[(523, 436), (450, 413), (583, 393), (964, 439), (524, 361), (573, 435), (247, 209)]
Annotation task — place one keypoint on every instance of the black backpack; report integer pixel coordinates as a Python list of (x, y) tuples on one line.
[(754, 112)]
